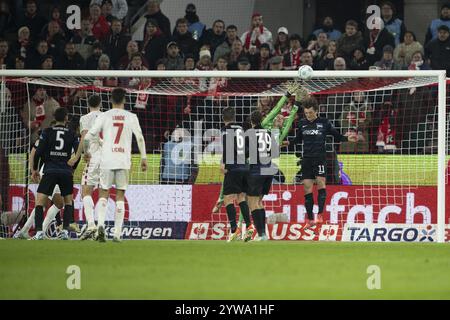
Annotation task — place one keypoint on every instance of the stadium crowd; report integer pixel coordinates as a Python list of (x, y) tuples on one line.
[(108, 40)]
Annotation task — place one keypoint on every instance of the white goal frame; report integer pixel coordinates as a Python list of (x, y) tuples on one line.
[(439, 74)]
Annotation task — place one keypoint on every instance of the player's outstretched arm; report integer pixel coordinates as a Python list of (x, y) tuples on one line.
[(94, 131), (268, 120)]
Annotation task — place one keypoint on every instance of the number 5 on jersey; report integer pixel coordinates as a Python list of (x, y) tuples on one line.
[(119, 126)]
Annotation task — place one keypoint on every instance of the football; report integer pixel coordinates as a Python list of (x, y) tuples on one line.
[(305, 72)]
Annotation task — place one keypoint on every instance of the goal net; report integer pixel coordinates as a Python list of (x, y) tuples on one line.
[(390, 176)]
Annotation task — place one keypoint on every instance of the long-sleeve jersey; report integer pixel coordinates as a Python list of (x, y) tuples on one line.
[(267, 123), (55, 148), (313, 135)]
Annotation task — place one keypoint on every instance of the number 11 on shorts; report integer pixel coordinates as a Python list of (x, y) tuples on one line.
[(321, 169)]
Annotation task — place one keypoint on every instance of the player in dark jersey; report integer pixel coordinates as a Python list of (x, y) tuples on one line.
[(56, 145), (261, 145), (234, 168), (312, 131)]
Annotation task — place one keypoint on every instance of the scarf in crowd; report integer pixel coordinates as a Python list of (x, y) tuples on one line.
[(40, 110), (295, 57), (248, 38)]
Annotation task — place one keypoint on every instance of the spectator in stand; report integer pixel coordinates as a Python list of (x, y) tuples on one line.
[(136, 64), (292, 59), (349, 41), (215, 36), (7, 23), (100, 27), (104, 62), (161, 64), (375, 40), (221, 64), (404, 51), (339, 64), (173, 61), (395, 26), (195, 26), (39, 113), (154, 43), (55, 16), (257, 35), (276, 63), (189, 62), (387, 61), (41, 50), (92, 61), (19, 63), (243, 64), (260, 60), (387, 128), (237, 51), (328, 28), (437, 51), (326, 62), (107, 10), (5, 56), (55, 38), (119, 7), (32, 19), (418, 62), (444, 19), (281, 46), (46, 62), (71, 59), (318, 47), (225, 48), (132, 48), (23, 46), (115, 44), (153, 12), (356, 118), (184, 39), (85, 39), (306, 58), (204, 62), (359, 61)]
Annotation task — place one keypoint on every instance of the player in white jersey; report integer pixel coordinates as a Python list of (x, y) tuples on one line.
[(52, 212), (118, 126), (91, 173)]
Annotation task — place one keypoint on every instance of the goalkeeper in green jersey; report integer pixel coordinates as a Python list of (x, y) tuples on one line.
[(273, 121)]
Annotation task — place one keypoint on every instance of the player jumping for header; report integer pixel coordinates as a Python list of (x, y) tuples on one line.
[(312, 132)]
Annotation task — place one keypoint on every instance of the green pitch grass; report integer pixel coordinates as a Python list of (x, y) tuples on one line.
[(220, 270)]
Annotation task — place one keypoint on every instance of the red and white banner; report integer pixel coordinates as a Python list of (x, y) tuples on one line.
[(344, 204), (278, 231)]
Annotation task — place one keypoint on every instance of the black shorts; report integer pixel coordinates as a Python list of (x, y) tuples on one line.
[(314, 167), (50, 180), (234, 182), (258, 185)]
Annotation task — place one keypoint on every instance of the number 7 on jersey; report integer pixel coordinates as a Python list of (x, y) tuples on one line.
[(119, 126)]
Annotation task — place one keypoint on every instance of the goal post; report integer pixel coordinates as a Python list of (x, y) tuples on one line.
[(245, 89)]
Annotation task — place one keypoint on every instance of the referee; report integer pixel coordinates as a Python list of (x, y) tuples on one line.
[(312, 132)]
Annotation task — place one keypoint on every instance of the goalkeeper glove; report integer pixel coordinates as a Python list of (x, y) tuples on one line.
[(301, 94), (292, 88)]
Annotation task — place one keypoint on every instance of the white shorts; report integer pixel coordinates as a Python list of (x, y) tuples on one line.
[(91, 174), (118, 177)]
